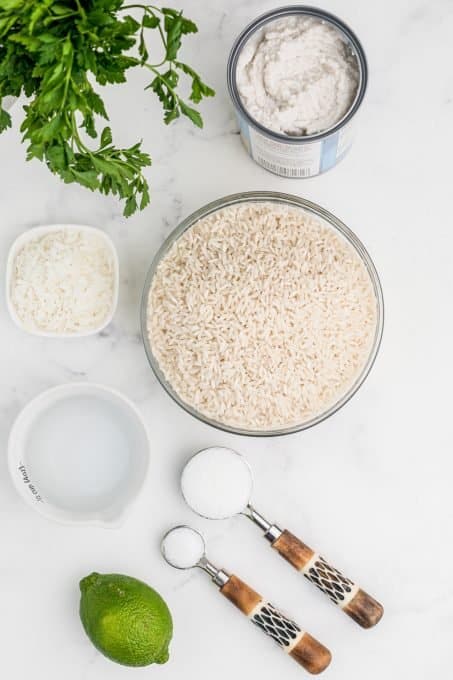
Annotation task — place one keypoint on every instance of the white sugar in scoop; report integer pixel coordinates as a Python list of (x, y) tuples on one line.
[(183, 547), (217, 483)]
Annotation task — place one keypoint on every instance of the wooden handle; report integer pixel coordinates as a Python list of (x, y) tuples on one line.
[(360, 606), (307, 651)]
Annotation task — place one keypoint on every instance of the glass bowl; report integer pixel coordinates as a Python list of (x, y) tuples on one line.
[(324, 215)]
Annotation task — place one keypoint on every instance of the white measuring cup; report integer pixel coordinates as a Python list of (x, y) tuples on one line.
[(79, 454), (219, 469), (184, 548)]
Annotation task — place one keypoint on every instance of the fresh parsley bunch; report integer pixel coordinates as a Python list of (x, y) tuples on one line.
[(54, 51)]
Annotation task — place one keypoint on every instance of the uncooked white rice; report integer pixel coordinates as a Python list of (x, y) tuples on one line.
[(261, 316)]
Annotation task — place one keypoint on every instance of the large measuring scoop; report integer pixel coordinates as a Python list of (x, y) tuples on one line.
[(184, 548), (217, 483)]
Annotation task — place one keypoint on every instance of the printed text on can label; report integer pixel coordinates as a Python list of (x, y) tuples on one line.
[(305, 159)]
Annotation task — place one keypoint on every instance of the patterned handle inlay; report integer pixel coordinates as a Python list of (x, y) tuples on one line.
[(354, 601), (331, 581), (285, 632), (301, 646)]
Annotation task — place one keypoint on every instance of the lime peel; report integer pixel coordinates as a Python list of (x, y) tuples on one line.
[(125, 619)]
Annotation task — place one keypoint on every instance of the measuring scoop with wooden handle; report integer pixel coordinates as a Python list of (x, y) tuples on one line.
[(217, 483), (183, 548), (354, 601)]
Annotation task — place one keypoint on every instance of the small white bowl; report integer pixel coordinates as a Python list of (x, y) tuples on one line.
[(67, 466), (32, 234)]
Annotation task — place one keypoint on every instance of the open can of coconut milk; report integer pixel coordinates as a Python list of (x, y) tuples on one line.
[(289, 155)]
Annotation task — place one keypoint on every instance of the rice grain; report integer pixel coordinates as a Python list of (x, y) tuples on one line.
[(261, 316)]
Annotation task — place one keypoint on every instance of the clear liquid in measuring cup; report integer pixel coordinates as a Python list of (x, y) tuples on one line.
[(78, 452)]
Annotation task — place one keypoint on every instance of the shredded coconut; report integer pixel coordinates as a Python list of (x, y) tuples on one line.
[(297, 75), (63, 282), (261, 316)]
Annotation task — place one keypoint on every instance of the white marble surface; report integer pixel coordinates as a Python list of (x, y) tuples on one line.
[(371, 487)]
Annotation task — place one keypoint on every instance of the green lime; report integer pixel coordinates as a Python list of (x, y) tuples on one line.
[(125, 619)]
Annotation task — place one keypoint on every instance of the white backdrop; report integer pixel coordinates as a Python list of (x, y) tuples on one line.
[(371, 487)]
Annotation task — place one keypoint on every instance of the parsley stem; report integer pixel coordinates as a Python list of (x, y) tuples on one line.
[(159, 75), (55, 52), (83, 148), (81, 10), (149, 9), (80, 145), (146, 8), (68, 76), (62, 16)]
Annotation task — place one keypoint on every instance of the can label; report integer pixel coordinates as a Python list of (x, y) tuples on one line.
[(303, 159)]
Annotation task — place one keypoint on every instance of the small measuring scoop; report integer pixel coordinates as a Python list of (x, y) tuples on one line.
[(184, 548), (217, 483)]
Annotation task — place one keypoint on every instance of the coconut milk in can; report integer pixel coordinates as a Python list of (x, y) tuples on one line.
[(290, 155)]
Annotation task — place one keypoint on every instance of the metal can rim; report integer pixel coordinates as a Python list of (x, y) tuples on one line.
[(269, 16)]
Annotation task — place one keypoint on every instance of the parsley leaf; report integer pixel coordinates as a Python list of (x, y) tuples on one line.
[(5, 120), (55, 52)]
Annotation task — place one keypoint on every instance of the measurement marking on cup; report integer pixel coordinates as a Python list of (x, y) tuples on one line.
[(26, 480)]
